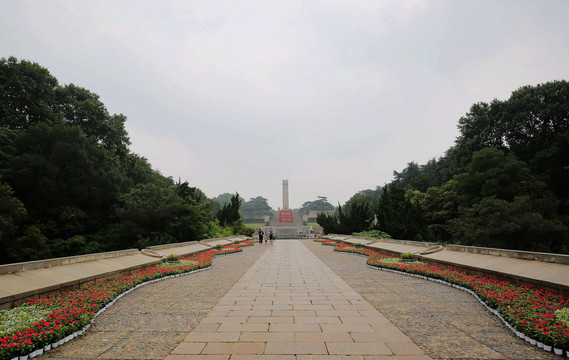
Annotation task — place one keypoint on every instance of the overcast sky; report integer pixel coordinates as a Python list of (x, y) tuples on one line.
[(332, 95)]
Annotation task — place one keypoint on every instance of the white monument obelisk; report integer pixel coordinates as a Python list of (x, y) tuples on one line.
[(285, 195)]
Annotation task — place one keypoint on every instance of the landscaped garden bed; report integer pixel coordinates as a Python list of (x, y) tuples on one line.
[(35, 326), (538, 316)]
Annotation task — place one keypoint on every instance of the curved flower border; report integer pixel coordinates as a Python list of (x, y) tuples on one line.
[(74, 311), (527, 311)]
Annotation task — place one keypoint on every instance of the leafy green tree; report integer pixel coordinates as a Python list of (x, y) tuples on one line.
[(397, 215), (329, 223), (481, 127), (224, 198), (362, 198), (357, 218), (404, 178), (492, 173), (58, 168), (533, 124), (506, 224), (80, 107), (440, 204), (27, 94), (257, 206), (12, 216), (31, 245), (229, 213), (321, 204)]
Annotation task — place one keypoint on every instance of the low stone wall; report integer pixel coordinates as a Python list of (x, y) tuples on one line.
[(47, 263), (541, 270), (516, 254), (27, 280), (170, 246)]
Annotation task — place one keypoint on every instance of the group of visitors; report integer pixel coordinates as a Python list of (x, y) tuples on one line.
[(271, 236)]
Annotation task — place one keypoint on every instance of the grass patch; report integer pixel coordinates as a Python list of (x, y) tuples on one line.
[(254, 225)]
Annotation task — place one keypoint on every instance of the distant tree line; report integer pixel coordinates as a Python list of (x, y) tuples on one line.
[(70, 185), (504, 183)]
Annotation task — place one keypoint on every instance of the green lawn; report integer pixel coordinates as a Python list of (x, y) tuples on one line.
[(254, 225)]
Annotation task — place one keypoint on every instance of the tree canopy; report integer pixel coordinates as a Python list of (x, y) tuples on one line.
[(502, 184), (69, 183)]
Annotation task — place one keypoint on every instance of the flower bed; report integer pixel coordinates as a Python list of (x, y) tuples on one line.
[(70, 313), (529, 312)]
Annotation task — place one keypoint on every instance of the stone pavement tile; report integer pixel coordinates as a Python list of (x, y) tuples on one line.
[(385, 336), (197, 357), (267, 337), (263, 357), (351, 348), (243, 327), (330, 357), (271, 319), (338, 313), (224, 320), (295, 348), (273, 307), (397, 357), (234, 348), (295, 328), (346, 328), (323, 337), (295, 301), (215, 312), (212, 336), (294, 313), (312, 307), (242, 313), (317, 320), (189, 348), (404, 348), (364, 320), (231, 308), (365, 306), (206, 327)]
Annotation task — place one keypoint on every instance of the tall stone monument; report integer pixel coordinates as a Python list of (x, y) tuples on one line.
[(285, 195)]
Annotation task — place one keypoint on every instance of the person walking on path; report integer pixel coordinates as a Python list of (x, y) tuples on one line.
[(260, 236), (271, 235)]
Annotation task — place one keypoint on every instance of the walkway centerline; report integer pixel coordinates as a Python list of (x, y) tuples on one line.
[(290, 305)]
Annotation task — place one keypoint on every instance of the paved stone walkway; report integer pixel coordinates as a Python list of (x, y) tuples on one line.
[(290, 305), (150, 322), (445, 322)]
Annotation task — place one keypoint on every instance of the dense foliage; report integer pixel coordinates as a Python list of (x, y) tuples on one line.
[(320, 204), (503, 183), (257, 207), (69, 184)]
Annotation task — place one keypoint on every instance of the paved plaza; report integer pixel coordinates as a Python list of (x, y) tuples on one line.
[(289, 303), (296, 299)]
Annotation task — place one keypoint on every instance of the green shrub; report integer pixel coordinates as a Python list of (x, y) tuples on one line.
[(407, 256), (173, 257), (373, 233)]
